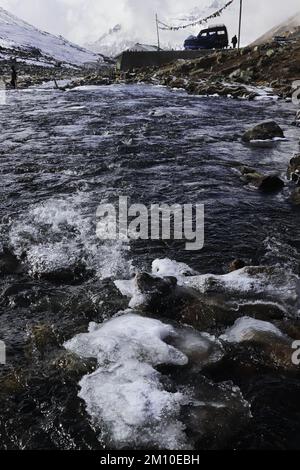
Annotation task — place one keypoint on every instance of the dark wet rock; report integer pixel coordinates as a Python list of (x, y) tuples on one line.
[(236, 264), (9, 264), (72, 364), (294, 169), (71, 275), (162, 297), (273, 348), (264, 183), (219, 411), (243, 360), (11, 383), (210, 303), (158, 293), (265, 311), (264, 131), (42, 340), (271, 184), (149, 284), (23, 294), (291, 327)]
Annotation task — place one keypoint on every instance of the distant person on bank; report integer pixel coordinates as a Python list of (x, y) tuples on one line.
[(14, 75), (234, 42)]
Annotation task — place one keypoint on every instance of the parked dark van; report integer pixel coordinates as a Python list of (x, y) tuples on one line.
[(215, 37)]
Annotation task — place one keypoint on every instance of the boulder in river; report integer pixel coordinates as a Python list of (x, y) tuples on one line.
[(202, 301), (275, 345), (264, 131), (271, 184), (264, 183), (294, 169)]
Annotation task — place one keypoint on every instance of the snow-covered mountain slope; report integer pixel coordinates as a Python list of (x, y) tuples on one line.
[(18, 37), (117, 40), (289, 27), (112, 43)]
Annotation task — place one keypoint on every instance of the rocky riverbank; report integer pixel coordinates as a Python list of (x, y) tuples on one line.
[(252, 73), (30, 75), (232, 72)]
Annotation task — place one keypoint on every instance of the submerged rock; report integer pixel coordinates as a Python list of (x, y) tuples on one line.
[(264, 131), (9, 263), (42, 340)]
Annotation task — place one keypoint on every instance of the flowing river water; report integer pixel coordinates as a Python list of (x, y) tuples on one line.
[(138, 381)]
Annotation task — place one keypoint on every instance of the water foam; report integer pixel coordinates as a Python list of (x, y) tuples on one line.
[(59, 234)]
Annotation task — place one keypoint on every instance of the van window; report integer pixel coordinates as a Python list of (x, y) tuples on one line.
[(221, 33)]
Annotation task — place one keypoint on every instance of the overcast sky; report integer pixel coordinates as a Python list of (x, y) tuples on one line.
[(86, 20)]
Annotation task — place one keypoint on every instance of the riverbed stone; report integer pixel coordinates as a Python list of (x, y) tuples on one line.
[(271, 184), (294, 169), (264, 131)]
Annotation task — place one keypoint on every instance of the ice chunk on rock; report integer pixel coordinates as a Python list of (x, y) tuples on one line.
[(167, 267), (125, 394), (249, 329), (128, 337)]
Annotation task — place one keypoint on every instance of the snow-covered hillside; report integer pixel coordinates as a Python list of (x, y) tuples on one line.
[(115, 41), (289, 27), (20, 38)]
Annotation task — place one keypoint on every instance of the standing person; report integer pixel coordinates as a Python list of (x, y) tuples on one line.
[(14, 75), (234, 42)]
